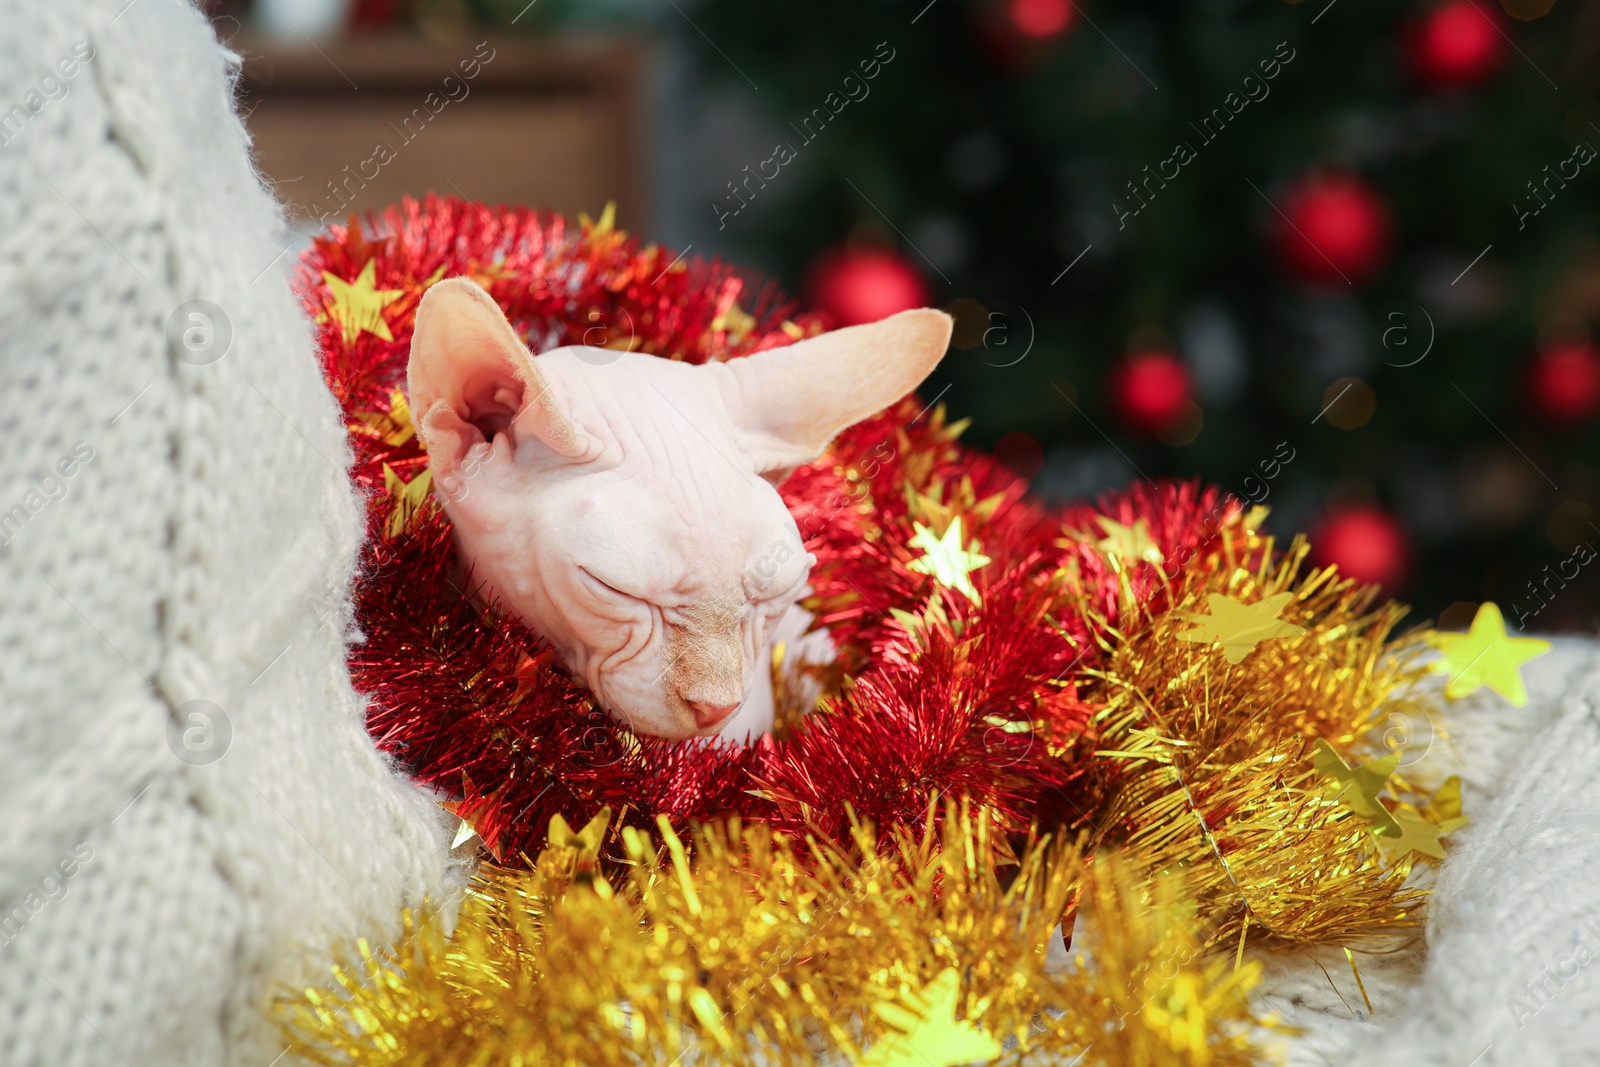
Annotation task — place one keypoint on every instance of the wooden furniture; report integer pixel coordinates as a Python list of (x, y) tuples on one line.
[(349, 125)]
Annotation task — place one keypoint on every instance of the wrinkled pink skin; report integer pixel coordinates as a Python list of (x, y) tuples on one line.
[(609, 557), (625, 507)]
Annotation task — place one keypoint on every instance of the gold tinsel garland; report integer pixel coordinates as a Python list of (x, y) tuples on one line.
[(933, 952), (1218, 778)]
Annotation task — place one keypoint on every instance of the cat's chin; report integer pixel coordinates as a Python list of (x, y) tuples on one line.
[(670, 733), (680, 725), (666, 722)]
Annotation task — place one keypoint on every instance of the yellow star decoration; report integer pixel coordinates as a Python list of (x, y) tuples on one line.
[(1127, 543), (576, 854), (606, 223), (1412, 833), (736, 321), (1445, 807), (943, 503), (1360, 785), (603, 233), (945, 559), (1486, 655), (1240, 627), (486, 274), (931, 1035), (465, 831), (408, 497), (393, 427), (359, 305), (400, 415)]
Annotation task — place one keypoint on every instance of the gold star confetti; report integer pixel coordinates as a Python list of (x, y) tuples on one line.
[(1361, 785), (356, 246), (359, 305), (1486, 655), (606, 223), (1412, 833), (1127, 543), (736, 321), (400, 415), (1445, 807), (576, 854), (948, 501), (486, 274), (464, 833), (393, 427), (1240, 627), (945, 559), (408, 497), (931, 1035)]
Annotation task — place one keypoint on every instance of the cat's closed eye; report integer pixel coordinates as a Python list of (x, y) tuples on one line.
[(604, 587)]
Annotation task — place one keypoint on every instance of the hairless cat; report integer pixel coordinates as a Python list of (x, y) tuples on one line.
[(625, 507)]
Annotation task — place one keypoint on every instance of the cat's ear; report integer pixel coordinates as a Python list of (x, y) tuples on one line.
[(788, 403), (470, 377)]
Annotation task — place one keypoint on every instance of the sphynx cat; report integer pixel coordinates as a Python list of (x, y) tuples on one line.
[(625, 507)]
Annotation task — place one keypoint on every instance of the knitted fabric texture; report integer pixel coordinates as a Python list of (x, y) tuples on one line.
[(164, 865)]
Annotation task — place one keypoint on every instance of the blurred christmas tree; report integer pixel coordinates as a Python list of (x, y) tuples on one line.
[(1336, 256)]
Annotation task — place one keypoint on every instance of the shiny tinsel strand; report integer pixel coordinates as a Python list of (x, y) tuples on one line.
[(749, 946)]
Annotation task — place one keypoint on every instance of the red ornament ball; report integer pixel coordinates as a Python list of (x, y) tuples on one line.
[(1040, 18), (1456, 45), (1333, 229), (1563, 382), (1366, 543), (852, 287), (1151, 391)]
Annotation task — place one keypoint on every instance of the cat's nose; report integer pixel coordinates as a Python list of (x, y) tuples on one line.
[(706, 714)]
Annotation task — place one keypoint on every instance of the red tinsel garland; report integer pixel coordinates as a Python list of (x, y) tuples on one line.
[(972, 699)]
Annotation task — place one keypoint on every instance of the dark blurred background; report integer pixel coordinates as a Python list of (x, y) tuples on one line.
[(1339, 258)]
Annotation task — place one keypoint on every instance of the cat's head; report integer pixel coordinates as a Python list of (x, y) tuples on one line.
[(625, 507)]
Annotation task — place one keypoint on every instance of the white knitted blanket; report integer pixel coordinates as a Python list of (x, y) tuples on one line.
[(176, 526), (161, 872)]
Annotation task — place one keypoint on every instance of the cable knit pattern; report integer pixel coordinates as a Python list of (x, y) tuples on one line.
[(150, 904)]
